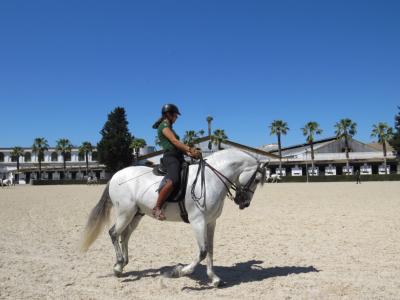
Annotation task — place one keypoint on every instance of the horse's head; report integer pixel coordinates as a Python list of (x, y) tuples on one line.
[(248, 181)]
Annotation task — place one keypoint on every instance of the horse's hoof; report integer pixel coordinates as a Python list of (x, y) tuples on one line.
[(218, 283), (117, 270)]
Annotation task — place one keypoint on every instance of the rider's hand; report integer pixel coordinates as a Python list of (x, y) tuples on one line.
[(195, 153)]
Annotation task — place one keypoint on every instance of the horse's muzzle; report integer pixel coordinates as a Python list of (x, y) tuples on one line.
[(244, 204), (242, 199)]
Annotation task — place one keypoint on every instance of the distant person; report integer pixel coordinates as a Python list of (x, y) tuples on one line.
[(358, 177)]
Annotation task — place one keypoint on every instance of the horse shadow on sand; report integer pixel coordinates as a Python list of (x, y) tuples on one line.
[(250, 271)]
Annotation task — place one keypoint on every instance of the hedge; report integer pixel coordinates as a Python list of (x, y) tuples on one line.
[(63, 182), (375, 177)]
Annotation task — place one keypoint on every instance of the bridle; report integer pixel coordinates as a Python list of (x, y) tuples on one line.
[(240, 197)]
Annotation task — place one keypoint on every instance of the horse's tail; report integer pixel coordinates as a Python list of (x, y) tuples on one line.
[(97, 219)]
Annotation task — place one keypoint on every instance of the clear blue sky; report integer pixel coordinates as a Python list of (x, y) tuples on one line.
[(64, 65)]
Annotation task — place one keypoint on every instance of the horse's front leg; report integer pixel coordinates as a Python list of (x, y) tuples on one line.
[(216, 281), (200, 231)]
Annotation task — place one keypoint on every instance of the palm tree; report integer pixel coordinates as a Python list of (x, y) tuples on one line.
[(219, 137), (279, 127), (85, 149), (192, 137), (39, 146), (209, 120), (136, 145), (309, 130), (64, 146), (346, 129), (384, 133), (16, 153)]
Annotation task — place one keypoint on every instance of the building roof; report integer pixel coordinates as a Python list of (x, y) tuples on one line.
[(328, 145), (304, 145), (379, 147)]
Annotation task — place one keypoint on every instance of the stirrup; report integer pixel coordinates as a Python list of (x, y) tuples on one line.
[(158, 214)]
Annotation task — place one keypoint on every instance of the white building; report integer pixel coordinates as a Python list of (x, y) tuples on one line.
[(297, 171), (52, 165), (366, 169), (313, 171), (330, 157), (330, 170)]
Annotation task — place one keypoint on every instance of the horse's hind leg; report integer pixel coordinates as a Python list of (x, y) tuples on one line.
[(126, 234), (122, 222)]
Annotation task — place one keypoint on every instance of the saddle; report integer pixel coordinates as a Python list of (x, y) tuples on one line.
[(178, 195)]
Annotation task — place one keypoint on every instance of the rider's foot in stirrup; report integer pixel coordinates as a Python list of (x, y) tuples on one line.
[(158, 214)]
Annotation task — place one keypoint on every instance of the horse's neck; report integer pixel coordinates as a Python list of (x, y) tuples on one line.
[(230, 165)]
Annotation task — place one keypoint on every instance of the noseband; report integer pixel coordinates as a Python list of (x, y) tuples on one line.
[(240, 197)]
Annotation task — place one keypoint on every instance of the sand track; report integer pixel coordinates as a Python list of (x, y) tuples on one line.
[(320, 240)]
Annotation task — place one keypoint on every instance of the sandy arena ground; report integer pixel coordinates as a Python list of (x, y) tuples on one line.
[(308, 241)]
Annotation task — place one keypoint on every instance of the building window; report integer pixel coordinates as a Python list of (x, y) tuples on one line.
[(27, 157), (68, 156), (54, 156), (1, 157), (94, 156), (81, 156)]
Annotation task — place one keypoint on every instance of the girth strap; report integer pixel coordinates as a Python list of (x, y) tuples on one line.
[(184, 214)]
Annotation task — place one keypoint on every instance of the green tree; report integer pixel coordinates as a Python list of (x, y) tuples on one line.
[(384, 133), (85, 149), (219, 137), (16, 153), (64, 146), (40, 145), (114, 147), (192, 137), (310, 130), (279, 128), (346, 129), (136, 145)]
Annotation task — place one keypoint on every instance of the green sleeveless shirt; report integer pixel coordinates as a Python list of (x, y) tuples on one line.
[(164, 142)]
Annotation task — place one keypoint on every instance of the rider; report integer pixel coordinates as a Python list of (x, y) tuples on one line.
[(173, 154)]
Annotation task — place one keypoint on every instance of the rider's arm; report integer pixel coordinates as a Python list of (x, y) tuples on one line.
[(172, 138)]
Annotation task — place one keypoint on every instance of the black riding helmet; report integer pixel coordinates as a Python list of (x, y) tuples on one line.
[(172, 108)]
